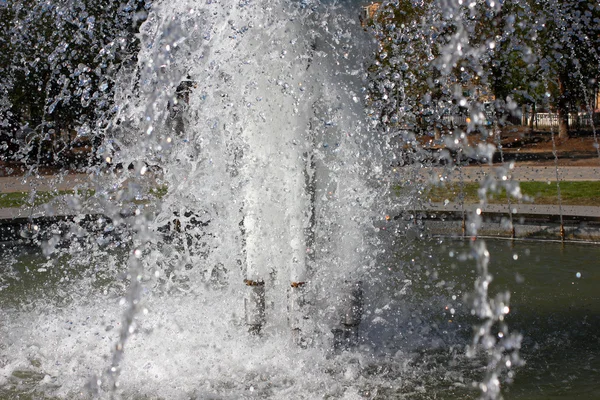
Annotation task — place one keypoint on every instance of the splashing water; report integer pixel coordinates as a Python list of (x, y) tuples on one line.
[(239, 224)]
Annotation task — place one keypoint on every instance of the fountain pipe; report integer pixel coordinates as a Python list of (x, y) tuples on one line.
[(555, 154), (297, 312), (562, 226), (462, 193), (297, 304), (302, 243), (254, 305), (346, 335), (254, 300), (498, 135)]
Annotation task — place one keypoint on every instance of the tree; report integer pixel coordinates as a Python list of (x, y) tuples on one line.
[(57, 70), (571, 45), (400, 74), (429, 66), (525, 51), (549, 52)]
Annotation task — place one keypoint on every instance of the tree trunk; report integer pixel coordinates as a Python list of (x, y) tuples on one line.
[(563, 110)]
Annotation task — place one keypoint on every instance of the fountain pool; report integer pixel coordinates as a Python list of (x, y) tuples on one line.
[(412, 345), (240, 204)]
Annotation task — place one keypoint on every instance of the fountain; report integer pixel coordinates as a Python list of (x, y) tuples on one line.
[(234, 237), (277, 110)]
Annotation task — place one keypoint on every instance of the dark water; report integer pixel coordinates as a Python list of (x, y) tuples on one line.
[(554, 305), (557, 309)]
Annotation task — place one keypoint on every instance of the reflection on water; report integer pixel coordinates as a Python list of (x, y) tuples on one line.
[(555, 305), (60, 318), (29, 276), (557, 309)]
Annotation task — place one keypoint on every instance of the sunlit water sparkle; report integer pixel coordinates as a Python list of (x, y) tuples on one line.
[(274, 171)]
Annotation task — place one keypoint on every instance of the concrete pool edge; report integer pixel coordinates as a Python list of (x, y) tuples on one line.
[(449, 224), (536, 222)]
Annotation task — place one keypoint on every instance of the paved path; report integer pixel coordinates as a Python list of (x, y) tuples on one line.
[(46, 183), (43, 183), (64, 182), (520, 174), (61, 206), (470, 174)]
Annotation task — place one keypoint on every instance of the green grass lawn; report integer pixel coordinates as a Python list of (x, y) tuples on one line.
[(572, 193), (25, 199)]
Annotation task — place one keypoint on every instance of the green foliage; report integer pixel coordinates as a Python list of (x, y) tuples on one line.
[(545, 44), (430, 64), (59, 62), (441, 59), (401, 75)]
